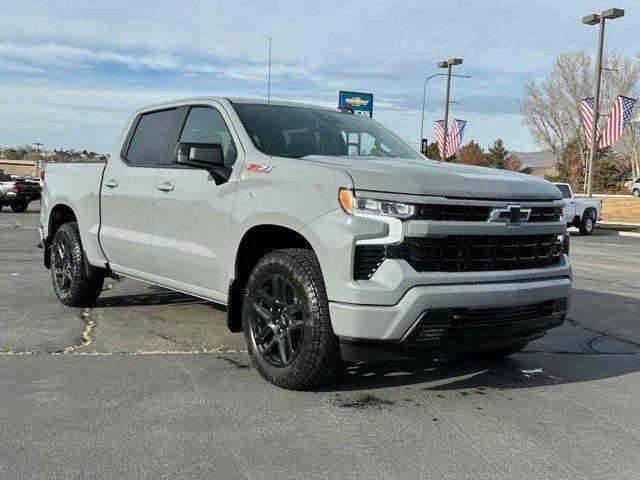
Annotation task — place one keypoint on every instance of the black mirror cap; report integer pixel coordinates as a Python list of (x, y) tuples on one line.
[(200, 155)]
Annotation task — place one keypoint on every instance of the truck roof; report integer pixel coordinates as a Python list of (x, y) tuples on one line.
[(261, 101)]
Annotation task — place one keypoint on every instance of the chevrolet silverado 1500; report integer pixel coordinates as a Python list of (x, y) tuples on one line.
[(326, 236), (581, 213)]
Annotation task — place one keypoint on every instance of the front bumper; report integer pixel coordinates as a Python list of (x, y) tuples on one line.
[(387, 330)]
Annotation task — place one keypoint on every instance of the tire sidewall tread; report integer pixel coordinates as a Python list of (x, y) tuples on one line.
[(84, 291), (318, 361)]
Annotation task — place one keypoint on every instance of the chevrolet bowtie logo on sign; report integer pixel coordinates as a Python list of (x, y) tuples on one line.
[(511, 215)]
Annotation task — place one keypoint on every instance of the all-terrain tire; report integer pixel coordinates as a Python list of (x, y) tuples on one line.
[(318, 360), (587, 224), (19, 207), (502, 351), (78, 290)]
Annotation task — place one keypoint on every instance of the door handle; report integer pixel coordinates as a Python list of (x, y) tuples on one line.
[(111, 183), (166, 187)]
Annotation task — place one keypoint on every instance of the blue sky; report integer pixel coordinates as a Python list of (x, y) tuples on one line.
[(72, 71)]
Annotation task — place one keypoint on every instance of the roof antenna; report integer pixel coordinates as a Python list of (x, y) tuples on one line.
[(268, 97)]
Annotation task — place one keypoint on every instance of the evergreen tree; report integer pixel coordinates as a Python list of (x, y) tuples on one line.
[(433, 152), (497, 155)]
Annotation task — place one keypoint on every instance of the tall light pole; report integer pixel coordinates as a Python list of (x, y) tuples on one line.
[(595, 19), (424, 96), (447, 64)]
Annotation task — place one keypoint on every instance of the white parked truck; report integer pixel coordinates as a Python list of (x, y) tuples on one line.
[(580, 212), (326, 236)]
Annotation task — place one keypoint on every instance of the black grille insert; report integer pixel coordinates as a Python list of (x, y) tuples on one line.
[(367, 260), (478, 213), (492, 316), (477, 253)]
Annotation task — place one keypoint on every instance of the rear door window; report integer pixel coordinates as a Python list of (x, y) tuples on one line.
[(151, 138)]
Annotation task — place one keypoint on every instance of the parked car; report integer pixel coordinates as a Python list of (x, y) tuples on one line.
[(17, 193), (634, 188), (326, 236), (581, 213)]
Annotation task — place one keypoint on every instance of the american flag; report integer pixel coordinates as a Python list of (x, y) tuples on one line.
[(618, 118), (454, 137), (586, 110), (438, 125)]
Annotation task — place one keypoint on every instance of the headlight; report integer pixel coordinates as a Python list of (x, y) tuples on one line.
[(352, 204)]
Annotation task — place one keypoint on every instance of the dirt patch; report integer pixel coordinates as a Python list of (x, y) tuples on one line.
[(363, 402), (621, 209)]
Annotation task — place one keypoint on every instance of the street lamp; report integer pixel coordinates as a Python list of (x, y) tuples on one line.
[(424, 96), (595, 19), (447, 64)]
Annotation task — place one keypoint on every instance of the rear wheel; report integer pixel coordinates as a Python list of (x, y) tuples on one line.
[(286, 321), (70, 281), (587, 224), (19, 207)]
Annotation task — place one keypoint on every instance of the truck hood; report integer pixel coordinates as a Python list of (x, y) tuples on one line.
[(428, 177)]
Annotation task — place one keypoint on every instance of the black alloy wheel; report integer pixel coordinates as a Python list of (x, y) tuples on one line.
[(277, 323), (62, 262), (72, 282), (286, 321)]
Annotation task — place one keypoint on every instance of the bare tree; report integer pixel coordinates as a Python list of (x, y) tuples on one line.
[(551, 107)]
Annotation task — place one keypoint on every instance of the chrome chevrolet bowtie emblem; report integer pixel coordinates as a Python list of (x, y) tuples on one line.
[(511, 215)]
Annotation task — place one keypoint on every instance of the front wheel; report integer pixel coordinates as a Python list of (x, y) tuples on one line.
[(19, 207), (636, 192), (587, 224), (286, 324), (70, 281)]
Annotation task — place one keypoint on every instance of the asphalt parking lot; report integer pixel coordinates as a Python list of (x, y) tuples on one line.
[(158, 387)]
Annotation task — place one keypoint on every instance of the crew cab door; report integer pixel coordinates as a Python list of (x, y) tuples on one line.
[(127, 193), (191, 212), (569, 210)]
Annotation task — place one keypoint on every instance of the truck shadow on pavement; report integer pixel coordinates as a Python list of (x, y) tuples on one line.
[(157, 296), (591, 345)]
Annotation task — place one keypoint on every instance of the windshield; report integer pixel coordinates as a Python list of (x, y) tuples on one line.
[(301, 131)]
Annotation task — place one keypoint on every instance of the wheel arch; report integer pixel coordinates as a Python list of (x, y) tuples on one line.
[(590, 211), (255, 244), (59, 215)]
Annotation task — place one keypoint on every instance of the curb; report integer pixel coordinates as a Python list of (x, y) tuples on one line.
[(619, 233)]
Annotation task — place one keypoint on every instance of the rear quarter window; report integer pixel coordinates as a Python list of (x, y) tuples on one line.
[(151, 138), (566, 192)]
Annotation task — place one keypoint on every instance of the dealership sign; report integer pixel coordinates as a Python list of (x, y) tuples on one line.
[(358, 102)]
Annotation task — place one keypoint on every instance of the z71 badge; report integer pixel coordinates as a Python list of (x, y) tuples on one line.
[(257, 168)]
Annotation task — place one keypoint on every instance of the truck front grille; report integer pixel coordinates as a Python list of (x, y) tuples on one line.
[(492, 316), (470, 253), (479, 213), (475, 324)]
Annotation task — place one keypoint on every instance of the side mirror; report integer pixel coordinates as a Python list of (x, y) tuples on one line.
[(200, 155)]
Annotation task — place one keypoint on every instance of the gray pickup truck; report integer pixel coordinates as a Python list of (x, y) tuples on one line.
[(326, 236)]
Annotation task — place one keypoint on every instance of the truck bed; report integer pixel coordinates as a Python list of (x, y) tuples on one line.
[(76, 185)]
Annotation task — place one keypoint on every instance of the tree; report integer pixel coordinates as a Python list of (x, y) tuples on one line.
[(472, 154), (513, 163), (551, 108), (433, 152), (604, 175), (497, 155), (569, 166)]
